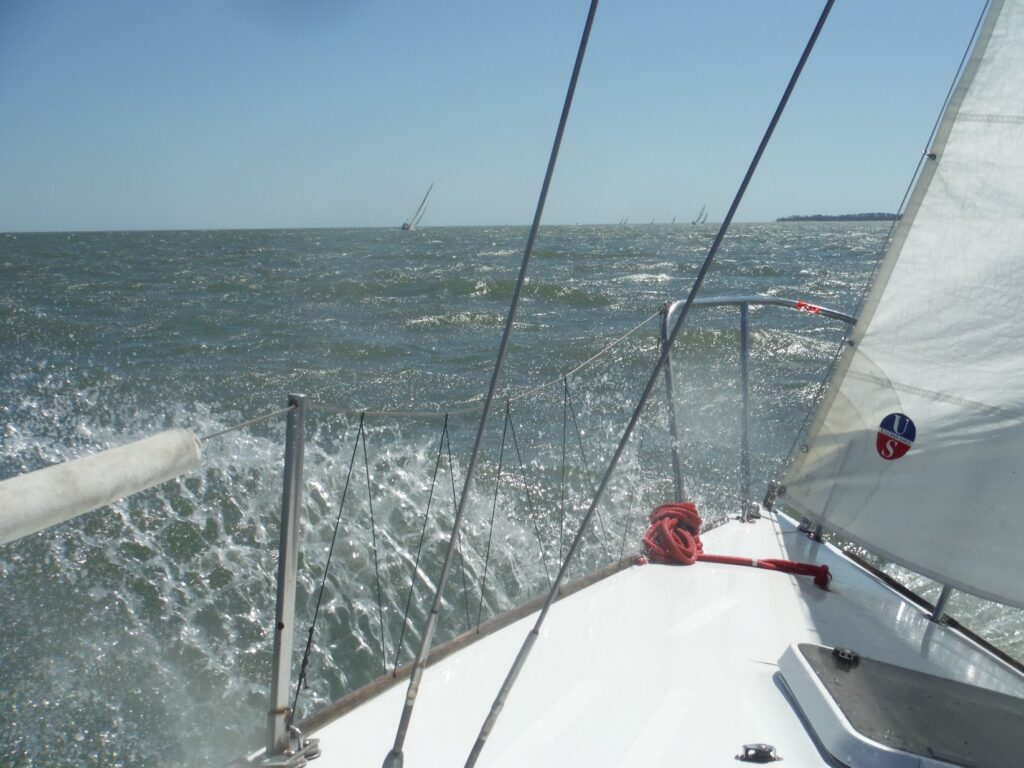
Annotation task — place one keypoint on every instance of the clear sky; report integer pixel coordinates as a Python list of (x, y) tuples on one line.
[(138, 114)]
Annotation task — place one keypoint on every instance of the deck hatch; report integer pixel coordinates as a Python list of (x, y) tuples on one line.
[(878, 714)]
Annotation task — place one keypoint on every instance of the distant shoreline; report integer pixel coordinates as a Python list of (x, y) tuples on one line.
[(844, 217)]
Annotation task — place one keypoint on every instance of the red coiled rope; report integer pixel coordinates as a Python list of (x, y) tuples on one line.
[(674, 538), (674, 535)]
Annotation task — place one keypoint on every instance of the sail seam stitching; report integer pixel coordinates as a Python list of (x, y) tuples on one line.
[(931, 394), (984, 118)]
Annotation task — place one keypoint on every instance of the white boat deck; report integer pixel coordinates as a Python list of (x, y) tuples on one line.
[(662, 666)]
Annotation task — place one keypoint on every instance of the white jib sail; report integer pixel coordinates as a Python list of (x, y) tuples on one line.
[(918, 449)]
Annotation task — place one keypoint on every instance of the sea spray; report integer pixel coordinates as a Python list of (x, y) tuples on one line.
[(141, 633)]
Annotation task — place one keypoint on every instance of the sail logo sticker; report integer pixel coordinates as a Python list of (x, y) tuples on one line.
[(896, 434)]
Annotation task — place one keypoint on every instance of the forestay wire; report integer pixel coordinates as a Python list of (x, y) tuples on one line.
[(395, 756), (531, 638)]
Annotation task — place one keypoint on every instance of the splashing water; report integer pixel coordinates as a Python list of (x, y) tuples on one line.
[(140, 634)]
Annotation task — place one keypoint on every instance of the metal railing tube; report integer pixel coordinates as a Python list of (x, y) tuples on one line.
[(744, 412), (744, 303), (673, 428), (774, 301), (279, 717)]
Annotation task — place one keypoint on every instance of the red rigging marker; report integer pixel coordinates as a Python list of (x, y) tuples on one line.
[(805, 306)]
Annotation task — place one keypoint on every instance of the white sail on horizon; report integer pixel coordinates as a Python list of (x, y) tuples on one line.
[(415, 220)]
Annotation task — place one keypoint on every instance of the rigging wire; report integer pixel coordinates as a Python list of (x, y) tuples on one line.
[(249, 423), (490, 532), (337, 411), (632, 499), (586, 464), (373, 533), (301, 682), (529, 497), (394, 757), (593, 358), (419, 547), (926, 155), (561, 482), (531, 638), (458, 540)]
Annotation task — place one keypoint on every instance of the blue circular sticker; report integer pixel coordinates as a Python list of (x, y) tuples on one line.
[(896, 435)]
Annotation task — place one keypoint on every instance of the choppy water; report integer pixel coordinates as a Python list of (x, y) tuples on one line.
[(140, 634)]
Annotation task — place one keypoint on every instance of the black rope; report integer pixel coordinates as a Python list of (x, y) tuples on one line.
[(529, 497), (301, 682), (419, 547), (376, 567), (494, 508)]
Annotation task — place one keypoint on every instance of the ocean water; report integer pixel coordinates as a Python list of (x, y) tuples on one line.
[(140, 635)]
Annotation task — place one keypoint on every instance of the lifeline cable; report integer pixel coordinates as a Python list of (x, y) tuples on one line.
[(632, 498), (586, 464), (490, 530), (373, 533), (531, 638), (327, 567), (529, 497), (249, 423), (419, 547), (336, 411), (394, 757), (458, 540)]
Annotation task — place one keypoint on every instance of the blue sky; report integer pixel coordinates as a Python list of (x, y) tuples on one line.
[(135, 114)]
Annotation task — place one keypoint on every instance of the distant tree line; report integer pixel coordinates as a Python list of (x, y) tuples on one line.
[(844, 217)]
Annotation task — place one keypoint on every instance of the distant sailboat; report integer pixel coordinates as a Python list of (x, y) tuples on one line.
[(701, 217), (415, 220)]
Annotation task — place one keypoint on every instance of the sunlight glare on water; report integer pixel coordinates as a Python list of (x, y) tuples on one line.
[(136, 630)]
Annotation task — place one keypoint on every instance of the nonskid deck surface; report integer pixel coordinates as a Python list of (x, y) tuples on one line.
[(662, 664)]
